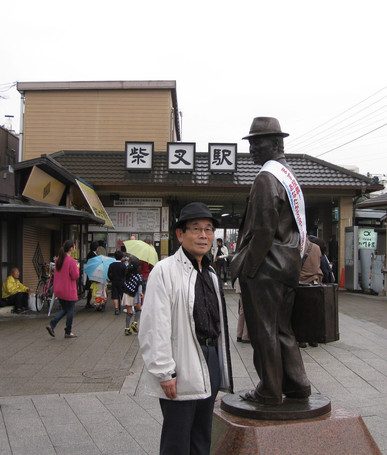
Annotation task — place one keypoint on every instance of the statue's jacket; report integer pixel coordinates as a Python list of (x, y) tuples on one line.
[(268, 240)]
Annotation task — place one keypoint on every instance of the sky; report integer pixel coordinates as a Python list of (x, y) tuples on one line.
[(319, 67)]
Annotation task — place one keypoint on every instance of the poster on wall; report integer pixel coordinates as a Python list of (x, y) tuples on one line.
[(94, 203), (133, 219)]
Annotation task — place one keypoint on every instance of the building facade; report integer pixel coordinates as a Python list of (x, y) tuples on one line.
[(97, 130)]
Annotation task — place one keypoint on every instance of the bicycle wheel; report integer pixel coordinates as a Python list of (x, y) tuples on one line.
[(40, 298)]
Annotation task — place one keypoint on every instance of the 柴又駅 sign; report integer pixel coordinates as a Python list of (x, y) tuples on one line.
[(181, 156), (222, 157), (139, 156)]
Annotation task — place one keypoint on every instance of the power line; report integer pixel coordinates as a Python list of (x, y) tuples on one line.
[(337, 131), (7, 86), (343, 128), (375, 116), (353, 140), (334, 118)]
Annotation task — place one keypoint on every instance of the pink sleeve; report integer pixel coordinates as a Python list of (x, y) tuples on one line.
[(74, 270)]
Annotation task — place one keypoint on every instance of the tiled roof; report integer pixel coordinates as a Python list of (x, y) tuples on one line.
[(379, 201), (100, 167)]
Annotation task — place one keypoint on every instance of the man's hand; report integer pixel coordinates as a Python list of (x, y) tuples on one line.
[(169, 388)]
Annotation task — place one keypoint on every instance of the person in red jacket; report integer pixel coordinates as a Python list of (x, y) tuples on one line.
[(65, 288)]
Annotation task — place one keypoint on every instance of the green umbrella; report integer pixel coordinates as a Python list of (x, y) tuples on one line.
[(142, 251)]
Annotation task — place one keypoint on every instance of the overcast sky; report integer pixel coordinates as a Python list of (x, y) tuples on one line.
[(319, 67)]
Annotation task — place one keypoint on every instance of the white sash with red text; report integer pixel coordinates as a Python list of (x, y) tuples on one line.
[(294, 192)]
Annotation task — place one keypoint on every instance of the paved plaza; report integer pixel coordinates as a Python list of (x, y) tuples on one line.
[(85, 396)]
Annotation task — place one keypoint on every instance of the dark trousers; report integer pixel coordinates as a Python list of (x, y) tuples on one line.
[(68, 311), (221, 266), (19, 301), (268, 306), (187, 424)]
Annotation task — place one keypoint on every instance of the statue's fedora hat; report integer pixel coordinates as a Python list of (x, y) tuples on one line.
[(195, 211), (263, 126)]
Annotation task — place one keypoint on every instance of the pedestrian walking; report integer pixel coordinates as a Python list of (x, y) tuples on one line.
[(116, 274), (132, 298), (92, 254), (65, 288), (220, 254)]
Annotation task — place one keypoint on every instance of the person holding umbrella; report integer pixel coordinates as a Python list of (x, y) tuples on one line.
[(97, 269), (147, 255), (142, 250)]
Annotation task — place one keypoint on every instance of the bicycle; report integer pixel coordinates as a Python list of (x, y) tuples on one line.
[(44, 296)]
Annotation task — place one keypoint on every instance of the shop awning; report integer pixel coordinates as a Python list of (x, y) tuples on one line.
[(37, 211), (94, 203)]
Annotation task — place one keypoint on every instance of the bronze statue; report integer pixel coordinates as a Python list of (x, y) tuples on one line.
[(268, 262)]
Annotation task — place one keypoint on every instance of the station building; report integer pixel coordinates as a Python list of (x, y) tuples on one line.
[(122, 138)]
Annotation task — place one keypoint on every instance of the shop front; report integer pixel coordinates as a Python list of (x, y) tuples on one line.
[(144, 219), (31, 236), (45, 207)]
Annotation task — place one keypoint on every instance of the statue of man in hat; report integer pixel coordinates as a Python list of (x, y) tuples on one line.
[(268, 263)]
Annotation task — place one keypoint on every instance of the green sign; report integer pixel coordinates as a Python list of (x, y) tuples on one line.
[(367, 239)]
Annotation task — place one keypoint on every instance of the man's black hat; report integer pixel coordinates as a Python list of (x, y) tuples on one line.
[(194, 211)]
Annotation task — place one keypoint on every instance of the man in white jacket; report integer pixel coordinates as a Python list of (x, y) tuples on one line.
[(184, 336)]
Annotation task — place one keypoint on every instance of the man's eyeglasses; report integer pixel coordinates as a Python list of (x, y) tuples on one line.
[(198, 230)]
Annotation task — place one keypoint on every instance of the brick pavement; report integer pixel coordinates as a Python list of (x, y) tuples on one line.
[(85, 395)]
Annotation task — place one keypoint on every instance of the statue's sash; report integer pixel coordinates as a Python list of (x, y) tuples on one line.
[(294, 192)]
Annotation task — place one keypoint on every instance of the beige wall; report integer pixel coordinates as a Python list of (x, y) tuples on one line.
[(95, 120)]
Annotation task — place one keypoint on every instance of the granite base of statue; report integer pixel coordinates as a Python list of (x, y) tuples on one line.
[(312, 426)]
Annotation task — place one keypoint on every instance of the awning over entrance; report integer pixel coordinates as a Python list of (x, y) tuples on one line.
[(39, 211), (94, 203)]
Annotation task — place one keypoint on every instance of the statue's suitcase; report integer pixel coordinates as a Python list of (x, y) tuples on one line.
[(315, 316)]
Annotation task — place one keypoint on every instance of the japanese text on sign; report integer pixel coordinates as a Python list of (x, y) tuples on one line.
[(139, 155), (222, 157), (181, 156), (367, 239)]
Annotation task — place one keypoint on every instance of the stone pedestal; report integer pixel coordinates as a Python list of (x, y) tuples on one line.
[(340, 431)]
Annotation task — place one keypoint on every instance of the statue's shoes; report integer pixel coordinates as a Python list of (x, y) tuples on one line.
[(254, 398)]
